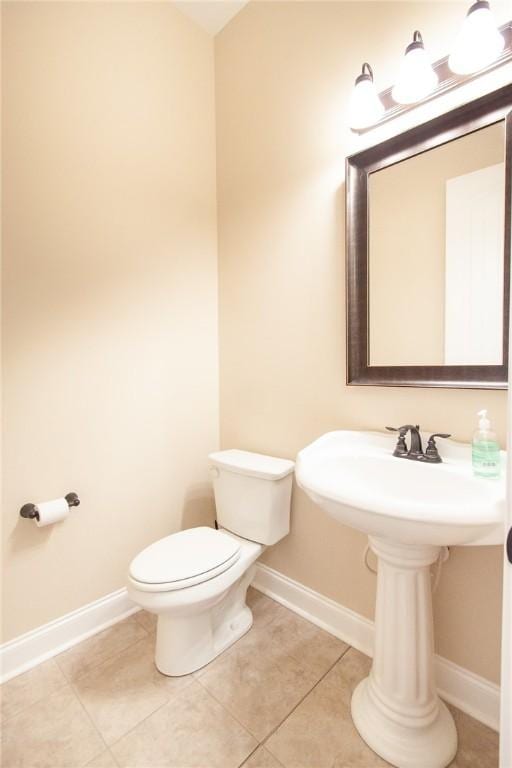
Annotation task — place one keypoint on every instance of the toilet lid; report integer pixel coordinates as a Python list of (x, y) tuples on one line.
[(184, 556)]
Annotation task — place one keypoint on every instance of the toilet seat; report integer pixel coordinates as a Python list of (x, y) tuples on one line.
[(184, 559)]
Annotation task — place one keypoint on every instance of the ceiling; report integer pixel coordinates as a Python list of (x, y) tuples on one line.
[(212, 15)]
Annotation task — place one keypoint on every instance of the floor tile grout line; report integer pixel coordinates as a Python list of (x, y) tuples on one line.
[(263, 742), (71, 680), (290, 713), (110, 659), (65, 684), (116, 764), (88, 716), (261, 745), (269, 735), (160, 706), (163, 704), (232, 716), (235, 718)]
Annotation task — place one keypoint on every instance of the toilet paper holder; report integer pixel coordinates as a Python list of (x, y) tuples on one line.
[(31, 512)]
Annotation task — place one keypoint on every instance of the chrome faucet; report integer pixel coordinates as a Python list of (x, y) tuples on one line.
[(415, 451)]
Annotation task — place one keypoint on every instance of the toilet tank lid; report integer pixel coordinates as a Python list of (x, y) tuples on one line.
[(253, 464)]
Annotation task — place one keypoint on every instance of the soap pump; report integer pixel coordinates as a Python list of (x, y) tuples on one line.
[(485, 449)]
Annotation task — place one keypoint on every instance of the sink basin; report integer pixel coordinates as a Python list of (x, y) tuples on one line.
[(357, 480), (410, 510)]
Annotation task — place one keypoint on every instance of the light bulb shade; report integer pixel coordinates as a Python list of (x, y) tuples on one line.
[(416, 77), (479, 42), (365, 107)]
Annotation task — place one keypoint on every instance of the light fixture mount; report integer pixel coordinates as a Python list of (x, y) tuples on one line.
[(417, 42), (366, 73), (478, 5)]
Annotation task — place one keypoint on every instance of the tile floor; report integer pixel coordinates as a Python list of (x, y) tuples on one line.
[(279, 698)]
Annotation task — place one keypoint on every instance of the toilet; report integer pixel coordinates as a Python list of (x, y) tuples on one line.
[(196, 580)]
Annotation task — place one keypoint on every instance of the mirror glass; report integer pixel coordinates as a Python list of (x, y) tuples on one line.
[(436, 255)]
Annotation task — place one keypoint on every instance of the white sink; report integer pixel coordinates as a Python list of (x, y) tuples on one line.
[(409, 511), (357, 480)]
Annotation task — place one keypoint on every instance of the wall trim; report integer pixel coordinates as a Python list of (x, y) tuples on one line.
[(471, 693), (38, 645)]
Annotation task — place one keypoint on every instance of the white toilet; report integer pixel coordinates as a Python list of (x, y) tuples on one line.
[(196, 580)]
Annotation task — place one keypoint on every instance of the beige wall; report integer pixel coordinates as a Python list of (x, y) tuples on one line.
[(407, 233), (283, 77), (110, 291)]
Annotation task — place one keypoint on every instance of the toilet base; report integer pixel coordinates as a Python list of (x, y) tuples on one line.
[(188, 642), (185, 645)]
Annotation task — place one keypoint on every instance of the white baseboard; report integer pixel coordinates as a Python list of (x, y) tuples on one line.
[(32, 648), (472, 694)]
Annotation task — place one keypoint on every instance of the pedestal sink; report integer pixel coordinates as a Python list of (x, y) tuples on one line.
[(409, 511)]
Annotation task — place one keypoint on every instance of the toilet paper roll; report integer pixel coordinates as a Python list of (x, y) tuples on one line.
[(52, 511)]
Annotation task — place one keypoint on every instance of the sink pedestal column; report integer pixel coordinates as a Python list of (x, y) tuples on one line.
[(396, 709)]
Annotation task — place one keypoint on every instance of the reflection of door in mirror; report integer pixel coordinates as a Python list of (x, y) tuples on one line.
[(473, 329), (436, 251)]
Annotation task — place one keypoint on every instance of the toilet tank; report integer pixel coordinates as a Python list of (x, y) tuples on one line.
[(252, 494)]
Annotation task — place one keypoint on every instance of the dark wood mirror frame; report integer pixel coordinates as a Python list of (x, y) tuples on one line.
[(470, 117)]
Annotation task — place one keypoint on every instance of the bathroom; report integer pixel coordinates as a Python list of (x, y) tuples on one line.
[(176, 253)]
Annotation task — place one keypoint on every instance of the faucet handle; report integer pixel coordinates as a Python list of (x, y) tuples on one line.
[(432, 452), (401, 447), (402, 430)]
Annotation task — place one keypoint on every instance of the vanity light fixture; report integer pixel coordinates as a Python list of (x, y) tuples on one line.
[(480, 47), (416, 77), (365, 108), (479, 42)]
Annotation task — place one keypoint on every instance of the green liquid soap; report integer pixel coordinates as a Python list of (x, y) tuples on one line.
[(486, 458), (486, 449)]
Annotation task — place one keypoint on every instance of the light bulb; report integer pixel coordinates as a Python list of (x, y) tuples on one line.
[(416, 77), (365, 106), (479, 42)]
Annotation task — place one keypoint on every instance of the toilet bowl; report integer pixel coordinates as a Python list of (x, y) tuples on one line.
[(196, 580)]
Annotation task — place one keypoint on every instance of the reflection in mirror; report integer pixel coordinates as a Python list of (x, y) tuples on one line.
[(436, 251)]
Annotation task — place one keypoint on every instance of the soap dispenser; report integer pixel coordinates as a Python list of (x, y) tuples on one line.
[(485, 449)]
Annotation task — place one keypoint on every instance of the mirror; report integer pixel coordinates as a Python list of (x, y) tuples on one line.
[(436, 229), (428, 252)]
